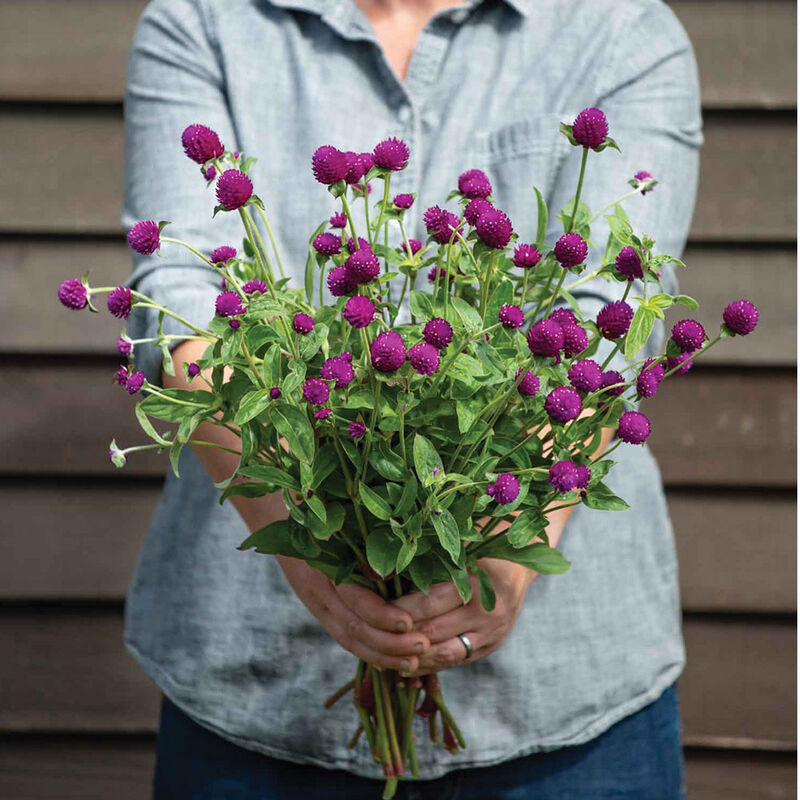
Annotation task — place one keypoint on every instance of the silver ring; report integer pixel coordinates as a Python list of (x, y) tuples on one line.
[(467, 644)]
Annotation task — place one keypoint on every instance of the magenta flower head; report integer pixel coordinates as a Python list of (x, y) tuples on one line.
[(684, 362), (329, 165), (356, 429), (614, 319), (222, 254), (438, 332), (228, 304), (563, 404), (584, 476), (210, 173), (359, 311), (613, 383), (387, 351), (362, 244), (741, 316), (338, 220), (357, 167), (234, 189), (403, 201), (688, 335), (649, 377), (341, 281), (510, 316), (316, 391), (234, 324), (274, 393), (545, 338), (328, 244), (629, 263), (475, 208), (438, 272), (124, 346), (72, 294), (590, 128), (564, 317), (526, 256), (586, 376), (201, 143), (504, 490), (424, 358), (576, 340), (255, 286), (322, 413), (121, 376), (414, 246), (441, 224), (391, 154), (135, 382), (641, 177), (633, 427), (494, 228), (192, 369), (571, 250), (144, 237), (339, 370), (529, 385), (474, 183), (302, 323), (119, 302), (364, 264), (563, 476)]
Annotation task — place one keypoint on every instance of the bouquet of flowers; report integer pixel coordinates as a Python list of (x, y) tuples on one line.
[(400, 447)]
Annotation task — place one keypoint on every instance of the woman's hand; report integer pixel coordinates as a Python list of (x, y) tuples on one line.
[(358, 619)]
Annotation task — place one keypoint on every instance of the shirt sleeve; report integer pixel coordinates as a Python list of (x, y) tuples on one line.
[(649, 91), (174, 79)]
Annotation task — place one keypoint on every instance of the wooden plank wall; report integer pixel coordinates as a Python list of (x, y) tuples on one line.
[(726, 433)]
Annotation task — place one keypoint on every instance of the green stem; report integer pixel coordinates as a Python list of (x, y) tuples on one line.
[(272, 241), (584, 158), (349, 215), (146, 302), (613, 203), (257, 244)]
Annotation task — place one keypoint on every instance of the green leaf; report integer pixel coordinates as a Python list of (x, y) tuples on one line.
[(375, 504), (407, 552), (502, 295), (488, 598), (148, 428), (271, 475), (538, 557), (467, 412), (601, 498), (383, 548), (186, 402), (406, 503), (469, 315), (421, 572), (639, 331), (318, 507), (311, 343), (687, 301), (661, 300), (273, 539), (446, 529), (251, 405), (528, 524), (311, 263), (387, 463), (421, 306), (620, 228), (271, 368), (461, 581), (293, 425), (541, 219), (426, 460)]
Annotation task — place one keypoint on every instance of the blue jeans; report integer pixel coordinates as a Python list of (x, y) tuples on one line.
[(639, 758)]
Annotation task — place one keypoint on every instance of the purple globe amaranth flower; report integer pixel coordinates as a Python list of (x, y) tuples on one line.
[(633, 427), (494, 228), (255, 286), (210, 173), (584, 476), (222, 254), (576, 339), (741, 316), (526, 256), (144, 237), (504, 490), (234, 189), (439, 272), (274, 393), (234, 324), (135, 382), (510, 316), (474, 183), (359, 311), (629, 263), (614, 319), (653, 366), (613, 383), (642, 176), (571, 250), (338, 220), (403, 201), (364, 264), (475, 208), (424, 358), (328, 244), (72, 294), (438, 332), (356, 429), (121, 376), (329, 165), (192, 369), (362, 190), (316, 391), (445, 231), (229, 304), (391, 154), (322, 413), (302, 323), (388, 351), (341, 281), (339, 370), (684, 362), (563, 316), (646, 384), (563, 476), (357, 167), (201, 143), (414, 246), (688, 335), (119, 302), (586, 376), (124, 346), (363, 244), (563, 404), (590, 128), (529, 385), (545, 338)]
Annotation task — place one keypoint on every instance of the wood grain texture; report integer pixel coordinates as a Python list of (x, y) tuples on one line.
[(68, 176)]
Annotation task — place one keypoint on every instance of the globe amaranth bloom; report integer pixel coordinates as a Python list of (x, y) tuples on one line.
[(403, 201), (439, 273), (563, 476), (414, 246), (586, 376), (441, 224), (526, 256), (649, 378), (229, 304), (341, 281), (130, 383), (576, 340), (505, 489), (274, 393), (255, 286), (563, 316), (124, 346), (316, 391), (357, 167), (192, 369), (329, 165), (364, 264), (633, 427), (234, 324), (144, 237), (614, 319), (234, 189), (356, 429), (359, 311), (629, 263), (119, 302), (302, 323), (584, 476), (201, 143), (741, 316), (642, 176), (339, 370), (688, 335), (362, 244), (529, 385), (510, 316), (545, 338), (391, 154), (328, 244), (494, 228), (571, 250), (590, 128), (72, 294), (121, 376), (424, 358), (210, 173), (475, 208), (222, 254), (474, 183), (438, 332), (338, 220), (563, 404), (387, 351), (362, 190), (684, 362), (322, 413), (613, 383)]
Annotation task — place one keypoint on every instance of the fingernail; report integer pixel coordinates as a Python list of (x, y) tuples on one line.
[(420, 647), (402, 627), (405, 666)]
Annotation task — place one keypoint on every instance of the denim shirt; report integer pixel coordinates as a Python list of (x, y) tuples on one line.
[(221, 631)]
